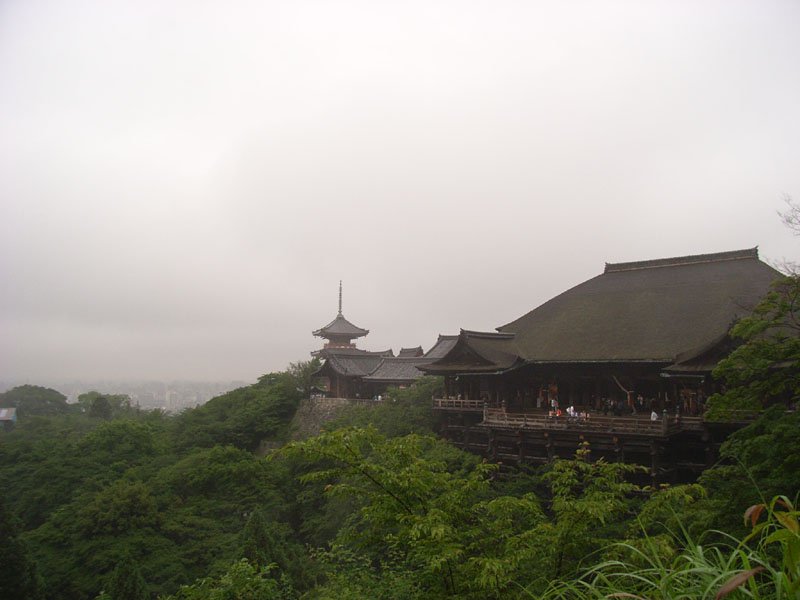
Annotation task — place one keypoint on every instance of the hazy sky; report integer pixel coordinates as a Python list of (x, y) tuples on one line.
[(183, 184)]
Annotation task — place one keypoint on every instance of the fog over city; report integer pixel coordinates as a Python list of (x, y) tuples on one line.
[(184, 184)]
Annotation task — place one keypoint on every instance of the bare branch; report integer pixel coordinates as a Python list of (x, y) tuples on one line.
[(791, 216)]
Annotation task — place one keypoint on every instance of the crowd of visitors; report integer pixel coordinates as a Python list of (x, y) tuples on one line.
[(688, 405)]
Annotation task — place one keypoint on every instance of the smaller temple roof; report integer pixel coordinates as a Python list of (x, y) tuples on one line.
[(401, 369), (702, 360), (354, 365), (351, 362), (477, 351), (410, 352), (8, 414), (442, 346)]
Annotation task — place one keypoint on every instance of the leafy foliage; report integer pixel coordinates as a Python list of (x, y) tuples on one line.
[(765, 369), (104, 406), (303, 373), (421, 514), (20, 578), (266, 542), (373, 508), (759, 461), (242, 580), (93, 491), (404, 411), (68, 453), (781, 528), (351, 575), (126, 582), (741, 569), (586, 497), (34, 400), (243, 417)]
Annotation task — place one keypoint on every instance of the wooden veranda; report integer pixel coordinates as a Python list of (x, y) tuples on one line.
[(672, 448)]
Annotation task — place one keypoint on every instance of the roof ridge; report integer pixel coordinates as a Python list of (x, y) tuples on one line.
[(497, 335), (677, 261)]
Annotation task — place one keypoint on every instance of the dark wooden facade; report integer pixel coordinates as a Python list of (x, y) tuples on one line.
[(641, 338), (673, 449), (596, 388)]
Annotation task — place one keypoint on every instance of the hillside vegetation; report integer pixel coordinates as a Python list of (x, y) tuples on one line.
[(104, 500)]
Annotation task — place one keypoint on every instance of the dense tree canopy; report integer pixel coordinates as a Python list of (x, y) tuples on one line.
[(243, 417), (142, 504), (765, 368), (34, 400), (20, 578)]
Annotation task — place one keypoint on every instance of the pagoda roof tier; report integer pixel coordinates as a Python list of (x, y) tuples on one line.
[(340, 327), (335, 351)]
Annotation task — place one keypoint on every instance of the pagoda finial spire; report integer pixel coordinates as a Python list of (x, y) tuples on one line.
[(340, 297)]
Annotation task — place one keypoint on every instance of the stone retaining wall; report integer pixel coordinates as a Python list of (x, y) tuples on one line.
[(313, 414)]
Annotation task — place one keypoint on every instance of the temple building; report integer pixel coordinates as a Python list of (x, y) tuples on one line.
[(640, 335), (350, 372), (340, 332)]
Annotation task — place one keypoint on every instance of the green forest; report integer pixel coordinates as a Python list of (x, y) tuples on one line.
[(103, 500)]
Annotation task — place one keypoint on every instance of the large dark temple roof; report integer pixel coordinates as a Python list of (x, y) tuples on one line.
[(645, 311)]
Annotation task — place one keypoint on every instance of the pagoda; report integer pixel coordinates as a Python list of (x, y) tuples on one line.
[(350, 372), (340, 332)]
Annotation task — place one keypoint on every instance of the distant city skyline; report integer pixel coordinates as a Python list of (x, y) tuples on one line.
[(172, 396)]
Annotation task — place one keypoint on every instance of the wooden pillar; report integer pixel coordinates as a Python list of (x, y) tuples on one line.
[(548, 445), (655, 457), (598, 394), (619, 450)]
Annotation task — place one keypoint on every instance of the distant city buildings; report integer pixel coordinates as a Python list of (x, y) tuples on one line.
[(173, 396)]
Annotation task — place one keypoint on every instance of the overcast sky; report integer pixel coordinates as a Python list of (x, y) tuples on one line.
[(183, 184)]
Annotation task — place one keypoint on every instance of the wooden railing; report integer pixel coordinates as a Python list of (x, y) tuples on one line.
[(359, 401), (692, 423), (458, 404), (498, 417)]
